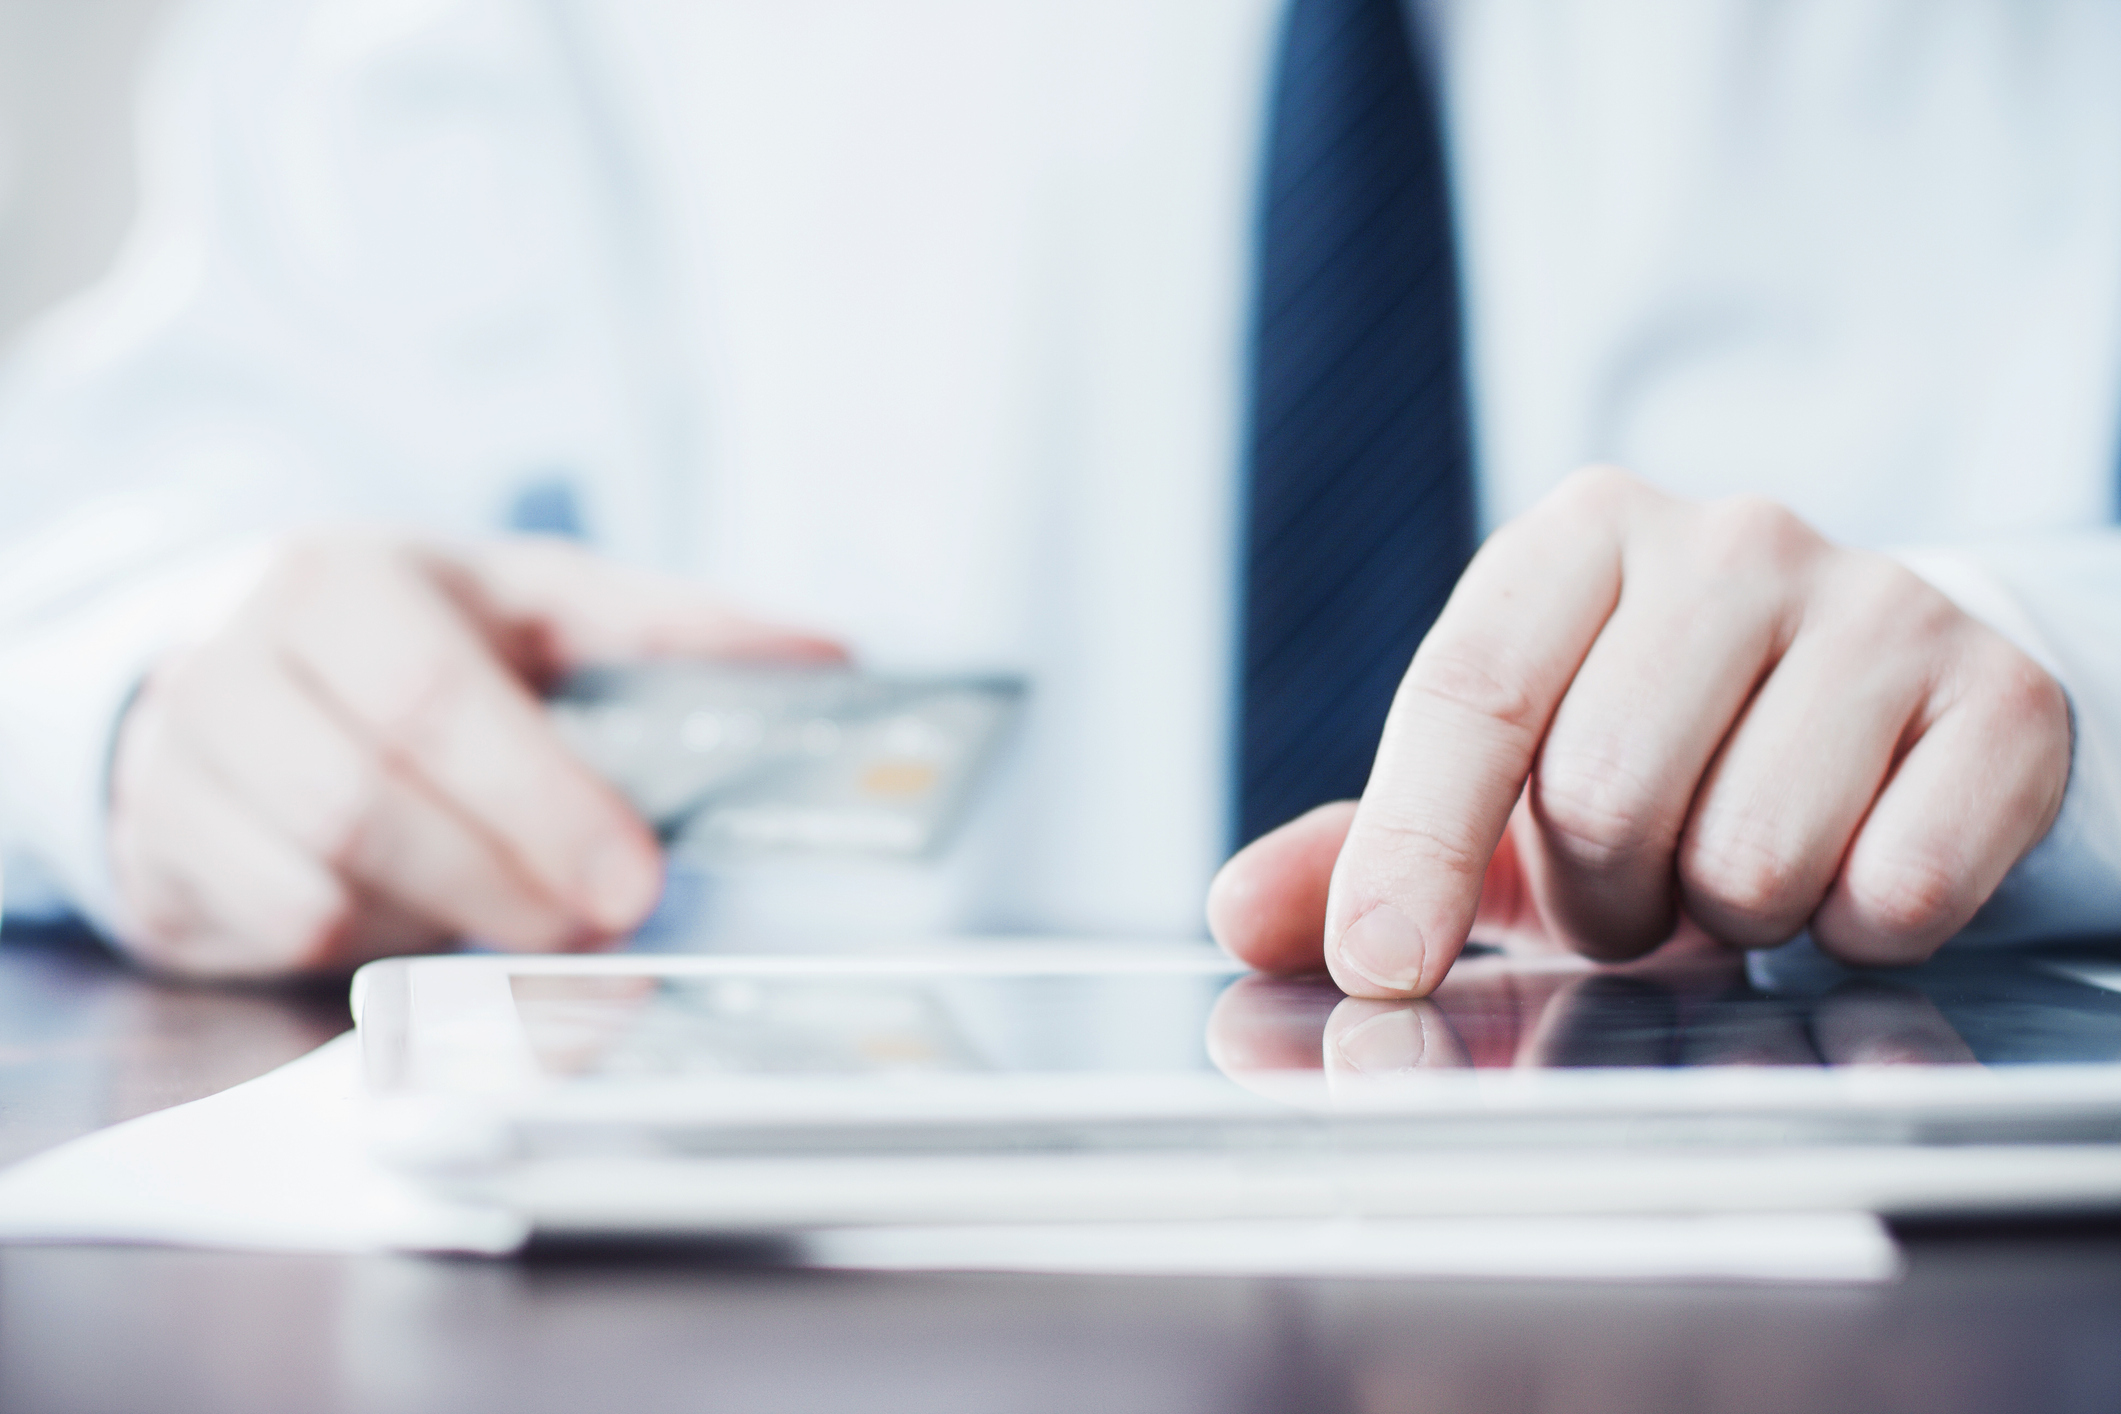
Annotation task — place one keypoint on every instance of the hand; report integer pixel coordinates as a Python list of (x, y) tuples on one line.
[(1641, 720), (358, 764)]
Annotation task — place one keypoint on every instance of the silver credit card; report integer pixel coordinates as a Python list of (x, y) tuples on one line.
[(727, 759)]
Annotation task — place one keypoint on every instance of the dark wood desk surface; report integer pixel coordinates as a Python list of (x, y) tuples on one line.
[(1988, 1321)]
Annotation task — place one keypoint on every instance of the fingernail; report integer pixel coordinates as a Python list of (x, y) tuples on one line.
[(1384, 948), (1394, 1041), (621, 885)]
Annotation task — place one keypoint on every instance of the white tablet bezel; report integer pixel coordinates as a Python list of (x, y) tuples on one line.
[(462, 1002), (1496, 1140)]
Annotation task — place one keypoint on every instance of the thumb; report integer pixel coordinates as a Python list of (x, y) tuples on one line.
[(1267, 906), (553, 606)]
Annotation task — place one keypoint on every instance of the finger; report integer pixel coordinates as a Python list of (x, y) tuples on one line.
[(1493, 1003), (205, 887), (400, 667), (276, 748), (559, 607), (1267, 904), (1460, 738), (1979, 788), (1368, 1040), (599, 1013), (1270, 1024), (416, 851), (1774, 818), (1863, 1022), (384, 927), (1701, 616)]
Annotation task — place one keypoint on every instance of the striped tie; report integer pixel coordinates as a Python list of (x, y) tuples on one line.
[(1361, 511)]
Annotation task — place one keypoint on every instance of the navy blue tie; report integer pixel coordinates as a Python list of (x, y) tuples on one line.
[(1361, 506)]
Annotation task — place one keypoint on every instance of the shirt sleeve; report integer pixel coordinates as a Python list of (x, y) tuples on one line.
[(65, 682), (2058, 598), (370, 283)]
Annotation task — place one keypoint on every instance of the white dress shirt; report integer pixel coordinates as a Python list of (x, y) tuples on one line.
[(923, 324)]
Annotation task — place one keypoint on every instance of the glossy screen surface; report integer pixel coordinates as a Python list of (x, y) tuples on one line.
[(1493, 1012)]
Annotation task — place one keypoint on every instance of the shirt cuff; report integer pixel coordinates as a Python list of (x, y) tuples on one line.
[(65, 683)]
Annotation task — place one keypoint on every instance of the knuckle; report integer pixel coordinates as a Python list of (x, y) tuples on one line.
[(1894, 601), (1903, 903), (1747, 882), (1752, 536), (2024, 694), (1593, 814), (1459, 683), (1899, 591), (1400, 845), (1600, 486)]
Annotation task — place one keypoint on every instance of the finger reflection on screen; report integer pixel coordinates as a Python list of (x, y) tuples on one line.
[(1742, 1027), (1606, 1020), (1370, 1040), (572, 1022), (1867, 1021), (1263, 1025), (1269, 1033)]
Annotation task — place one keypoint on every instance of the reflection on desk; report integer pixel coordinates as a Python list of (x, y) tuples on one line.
[(86, 1040)]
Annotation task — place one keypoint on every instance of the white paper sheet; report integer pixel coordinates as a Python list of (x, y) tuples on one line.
[(273, 1165), (278, 1165)]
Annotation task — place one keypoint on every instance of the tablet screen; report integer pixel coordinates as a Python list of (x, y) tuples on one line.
[(1976, 1009)]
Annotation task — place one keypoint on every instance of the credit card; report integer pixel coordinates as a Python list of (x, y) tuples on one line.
[(728, 760)]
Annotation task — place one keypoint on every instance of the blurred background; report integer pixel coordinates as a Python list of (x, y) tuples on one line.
[(67, 77)]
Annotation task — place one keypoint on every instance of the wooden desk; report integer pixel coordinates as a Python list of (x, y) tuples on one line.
[(2021, 1321)]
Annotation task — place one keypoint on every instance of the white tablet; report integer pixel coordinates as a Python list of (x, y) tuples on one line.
[(1011, 1083)]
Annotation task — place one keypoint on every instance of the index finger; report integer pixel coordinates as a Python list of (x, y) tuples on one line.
[(388, 650), (1460, 740)]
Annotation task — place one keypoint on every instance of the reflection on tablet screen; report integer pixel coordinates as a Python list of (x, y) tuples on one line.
[(1978, 1009)]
